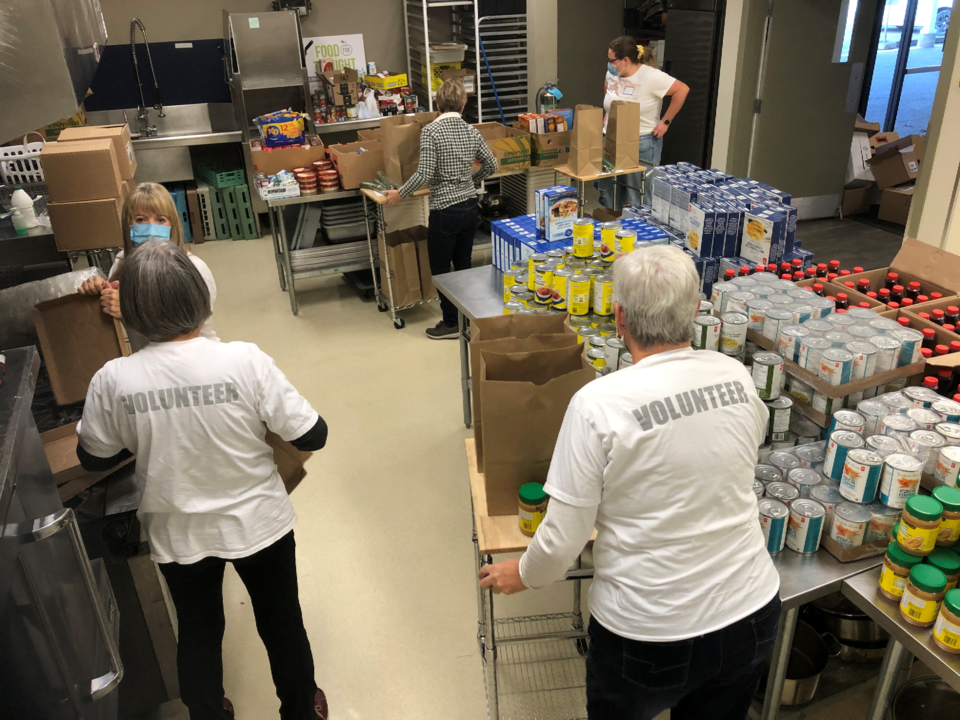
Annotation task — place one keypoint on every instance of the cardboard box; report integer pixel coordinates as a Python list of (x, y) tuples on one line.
[(76, 339), (371, 134), (427, 288), (270, 161), (510, 145), (196, 220), (81, 170), (936, 270), (289, 461), (862, 126), (943, 337), (89, 225), (60, 447), (393, 80), (895, 203), (128, 186), (858, 552), (897, 162), (340, 86), (856, 200), (398, 250), (53, 130), (548, 149), (119, 135), (466, 76), (882, 139), (860, 154), (356, 167), (437, 69)]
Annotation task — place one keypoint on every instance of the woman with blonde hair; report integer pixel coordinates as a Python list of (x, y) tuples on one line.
[(149, 213)]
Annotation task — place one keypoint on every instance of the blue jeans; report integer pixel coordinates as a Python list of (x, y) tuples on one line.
[(450, 240), (711, 676), (650, 150)]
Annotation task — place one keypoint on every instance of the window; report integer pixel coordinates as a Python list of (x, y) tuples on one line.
[(845, 23)]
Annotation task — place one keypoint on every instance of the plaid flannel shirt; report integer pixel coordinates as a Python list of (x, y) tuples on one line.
[(448, 148)]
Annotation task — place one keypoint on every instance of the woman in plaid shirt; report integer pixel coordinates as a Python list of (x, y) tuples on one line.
[(448, 149)]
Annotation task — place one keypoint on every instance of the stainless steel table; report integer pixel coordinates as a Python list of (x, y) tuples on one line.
[(477, 293), (904, 638)]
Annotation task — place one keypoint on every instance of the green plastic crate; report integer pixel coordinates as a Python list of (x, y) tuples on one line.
[(233, 212), (248, 219), (219, 176), (219, 214)]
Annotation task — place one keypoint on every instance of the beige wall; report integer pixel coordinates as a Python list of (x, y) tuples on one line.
[(582, 45), (542, 47), (379, 21)]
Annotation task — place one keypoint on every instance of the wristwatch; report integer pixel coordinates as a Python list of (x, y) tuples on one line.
[(665, 121)]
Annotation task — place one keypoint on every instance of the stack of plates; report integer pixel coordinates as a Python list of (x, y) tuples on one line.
[(343, 220)]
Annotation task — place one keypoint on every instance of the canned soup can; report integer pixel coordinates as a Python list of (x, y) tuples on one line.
[(810, 455), (836, 366), (884, 444), (910, 341), (948, 408), (784, 462), (608, 234), (778, 426), (864, 359), (705, 308), (776, 318), (808, 432), (767, 474), (928, 444), (824, 404), (737, 302), (512, 307), (849, 524), (597, 358), (838, 338), (782, 491), (829, 497), (626, 360), (888, 350), (899, 480), (706, 332), (804, 480), (882, 520), (614, 350), (532, 262), (773, 523), (733, 333), (897, 425), (948, 465), (603, 294), (788, 341), (583, 237), (607, 330), (925, 418), (757, 313), (841, 442), (578, 295), (846, 420), (585, 333), (509, 280), (805, 526), (561, 289), (802, 311), (920, 396), (811, 352), (767, 372), (861, 475), (800, 390), (871, 411), (758, 488), (950, 432), (625, 241)]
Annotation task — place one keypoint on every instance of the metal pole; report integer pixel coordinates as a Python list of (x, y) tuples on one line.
[(373, 264), (465, 367), (577, 615), (887, 680), (481, 601), (780, 658), (385, 262), (900, 68), (493, 698), (285, 250), (276, 248)]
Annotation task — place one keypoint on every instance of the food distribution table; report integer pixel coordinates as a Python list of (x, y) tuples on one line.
[(905, 638), (580, 182)]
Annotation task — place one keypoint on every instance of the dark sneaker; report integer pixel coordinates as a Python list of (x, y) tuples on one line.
[(443, 332), (320, 704), (228, 706)]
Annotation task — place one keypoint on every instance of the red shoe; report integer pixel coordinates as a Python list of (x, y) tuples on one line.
[(228, 706), (320, 704)]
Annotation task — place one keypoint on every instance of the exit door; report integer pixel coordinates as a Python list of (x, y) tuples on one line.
[(809, 90)]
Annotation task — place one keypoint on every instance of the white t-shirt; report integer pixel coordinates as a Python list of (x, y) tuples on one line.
[(646, 86), (138, 341), (193, 413), (667, 449)]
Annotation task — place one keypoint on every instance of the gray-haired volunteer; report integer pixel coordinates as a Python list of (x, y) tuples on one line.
[(629, 79), (195, 412), (659, 458)]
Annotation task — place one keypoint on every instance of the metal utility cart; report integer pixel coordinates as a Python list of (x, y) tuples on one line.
[(580, 182), (409, 213)]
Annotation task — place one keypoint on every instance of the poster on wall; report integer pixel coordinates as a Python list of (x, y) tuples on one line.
[(333, 52)]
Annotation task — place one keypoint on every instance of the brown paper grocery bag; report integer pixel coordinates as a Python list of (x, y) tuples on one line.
[(525, 396), (586, 141), (621, 146), (427, 288), (289, 461), (403, 278), (401, 144)]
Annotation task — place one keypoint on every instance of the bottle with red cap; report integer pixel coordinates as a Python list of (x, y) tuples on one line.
[(925, 316), (893, 306), (797, 264), (939, 350), (788, 277), (822, 270), (744, 270), (843, 302), (955, 347), (936, 296), (863, 285), (729, 274), (929, 338), (891, 280), (922, 299), (785, 268), (926, 353), (798, 276), (936, 316), (896, 293), (944, 380), (906, 302), (849, 284), (865, 305), (834, 266), (844, 273), (913, 290), (905, 322), (884, 296), (831, 277), (857, 269), (872, 295), (811, 273), (772, 267), (949, 328), (841, 311), (931, 381), (817, 289), (952, 315)]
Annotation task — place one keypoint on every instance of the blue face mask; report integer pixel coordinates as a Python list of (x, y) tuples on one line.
[(612, 69), (139, 234)]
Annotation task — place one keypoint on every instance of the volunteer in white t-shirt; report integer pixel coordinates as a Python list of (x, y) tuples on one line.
[(659, 458), (630, 79), (195, 412)]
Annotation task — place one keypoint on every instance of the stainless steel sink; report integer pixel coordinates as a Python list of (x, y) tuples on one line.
[(165, 157)]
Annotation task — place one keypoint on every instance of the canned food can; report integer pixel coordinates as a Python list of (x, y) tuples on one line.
[(824, 404), (568, 251), (807, 433), (802, 311), (706, 332), (778, 426), (836, 366), (781, 302), (860, 476), (520, 265), (910, 342), (871, 411), (841, 442), (846, 420), (920, 396), (786, 443), (773, 523), (782, 491), (598, 320), (757, 313), (775, 319), (719, 290), (822, 307), (811, 352), (518, 289), (804, 480), (526, 299), (900, 479), (767, 474), (583, 238), (849, 524), (758, 488), (509, 280), (603, 294), (948, 408), (608, 232), (532, 262), (784, 462), (896, 425), (561, 289), (864, 359), (882, 520), (597, 342), (512, 307), (557, 257), (578, 322), (928, 444), (767, 371), (862, 332), (838, 338), (585, 333), (948, 465), (950, 432), (597, 358), (626, 360), (925, 418), (607, 329), (829, 497), (543, 276), (788, 341), (896, 403), (810, 455), (805, 526), (705, 308), (883, 444), (733, 333), (737, 302), (614, 349), (625, 241), (888, 350), (578, 295), (801, 390)]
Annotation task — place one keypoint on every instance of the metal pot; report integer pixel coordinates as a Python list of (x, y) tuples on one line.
[(861, 655), (925, 698), (808, 659), (838, 616)]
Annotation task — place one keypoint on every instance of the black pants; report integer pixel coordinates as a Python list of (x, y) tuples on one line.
[(271, 579), (450, 240), (712, 676)]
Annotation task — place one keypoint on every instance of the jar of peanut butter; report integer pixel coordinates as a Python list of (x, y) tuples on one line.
[(947, 562), (946, 630), (949, 531), (919, 525), (922, 595), (893, 574), (533, 506)]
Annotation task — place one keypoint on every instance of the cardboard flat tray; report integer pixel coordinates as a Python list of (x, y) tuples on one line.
[(849, 554)]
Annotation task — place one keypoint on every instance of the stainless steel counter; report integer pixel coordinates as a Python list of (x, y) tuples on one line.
[(807, 577), (477, 293)]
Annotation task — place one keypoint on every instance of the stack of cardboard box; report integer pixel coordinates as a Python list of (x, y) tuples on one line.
[(89, 172)]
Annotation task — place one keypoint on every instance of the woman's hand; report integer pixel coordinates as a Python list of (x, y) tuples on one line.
[(393, 197), (661, 129), (503, 577), (110, 299), (92, 286)]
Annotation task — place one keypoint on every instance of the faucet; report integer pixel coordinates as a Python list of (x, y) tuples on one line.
[(142, 113)]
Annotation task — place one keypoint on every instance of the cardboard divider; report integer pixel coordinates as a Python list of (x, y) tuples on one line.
[(858, 552), (931, 305), (936, 270), (60, 447), (943, 337)]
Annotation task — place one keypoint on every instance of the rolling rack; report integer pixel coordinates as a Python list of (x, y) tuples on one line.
[(409, 213)]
